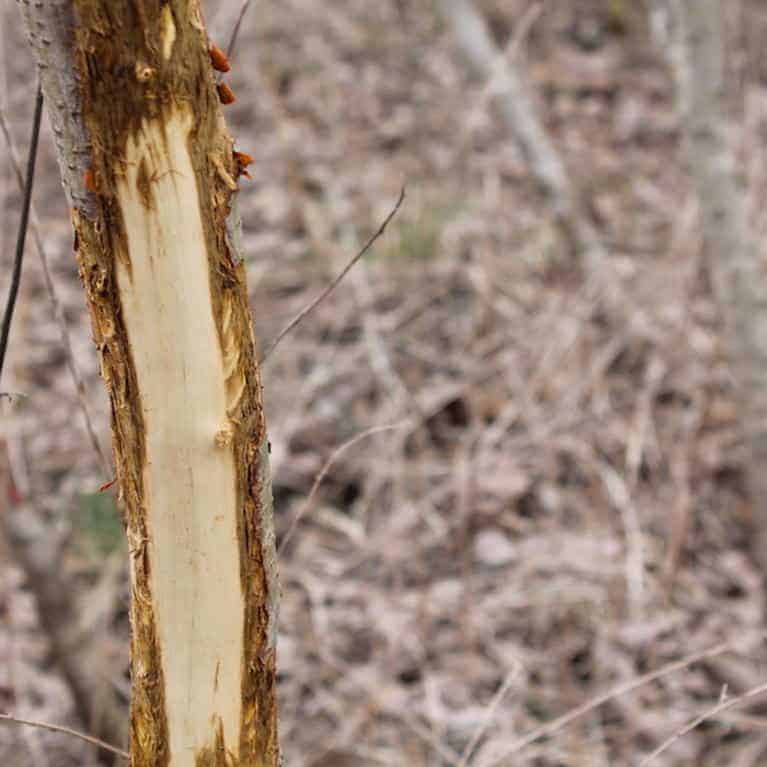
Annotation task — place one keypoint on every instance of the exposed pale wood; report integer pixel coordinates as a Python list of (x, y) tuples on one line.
[(189, 472), (153, 189)]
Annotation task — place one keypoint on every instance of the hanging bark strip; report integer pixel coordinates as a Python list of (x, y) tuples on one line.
[(150, 174)]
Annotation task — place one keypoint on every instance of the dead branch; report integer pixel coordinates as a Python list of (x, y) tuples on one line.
[(58, 312), (696, 54), (724, 705), (489, 713), (66, 731), (236, 28), (21, 238), (337, 453), (622, 689), (79, 657), (519, 112), (334, 284)]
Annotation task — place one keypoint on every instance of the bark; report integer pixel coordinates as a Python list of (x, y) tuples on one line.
[(151, 177), (696, 53), (519, 112)]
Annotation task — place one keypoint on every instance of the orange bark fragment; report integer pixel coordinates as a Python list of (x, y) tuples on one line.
[(225, 94), (90, 181), (242, 160), (218, 59)]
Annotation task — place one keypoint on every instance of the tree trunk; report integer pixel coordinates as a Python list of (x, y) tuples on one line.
[(151, 177), (696, 53), (519, 112)]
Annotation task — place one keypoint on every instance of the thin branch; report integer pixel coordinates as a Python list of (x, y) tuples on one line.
[(22, 234), (58, 312), (620, 496), (622, 689), (330, 288), (337, 453), (509, 53), (489, 713), (513, 95), (66, 731), (236, 28), (375, 698), (710, 713)]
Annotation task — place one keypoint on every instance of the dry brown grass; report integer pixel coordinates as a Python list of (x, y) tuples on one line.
[(563, 508)]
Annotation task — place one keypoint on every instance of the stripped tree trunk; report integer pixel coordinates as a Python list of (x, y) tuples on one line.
[(696, 52), (151, 178)]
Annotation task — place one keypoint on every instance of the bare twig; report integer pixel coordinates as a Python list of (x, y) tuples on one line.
[(516, 40), (489, 712), (378, 351), (82, 658), (518, 108), (66, 731), (724, 705), (620, 496), (622, 689), (375, 697), (236, 28), (337, 453), (330, 288), (21, 238), (58, 312), (638, 434)]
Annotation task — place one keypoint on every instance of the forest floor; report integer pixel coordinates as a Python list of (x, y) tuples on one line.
[(558, 503)]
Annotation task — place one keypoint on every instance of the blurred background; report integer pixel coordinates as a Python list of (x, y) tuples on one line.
[(559, 502)]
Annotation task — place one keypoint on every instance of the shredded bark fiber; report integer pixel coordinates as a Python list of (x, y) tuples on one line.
[(143, 66)]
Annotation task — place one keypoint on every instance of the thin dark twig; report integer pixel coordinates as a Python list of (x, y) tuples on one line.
[(23, 223), (330, 288), (66, 731), (337, 453), (236, 28), (58, 311)]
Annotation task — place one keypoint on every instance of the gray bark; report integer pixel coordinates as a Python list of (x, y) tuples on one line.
[(696, 52), (151, 176), (50, 30), (519, 112)]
